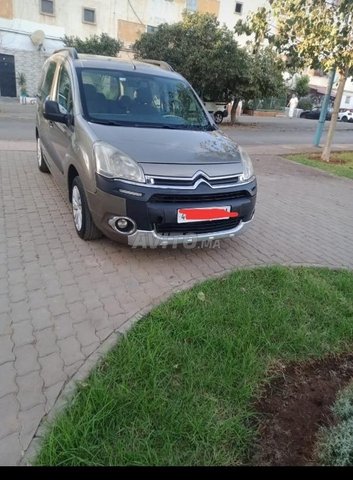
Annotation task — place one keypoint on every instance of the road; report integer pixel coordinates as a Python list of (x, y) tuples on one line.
[(17, 123)]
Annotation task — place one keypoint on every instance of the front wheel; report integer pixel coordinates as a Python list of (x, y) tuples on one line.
[(40, 159), (83, 221), (218, 117), (344, 119)]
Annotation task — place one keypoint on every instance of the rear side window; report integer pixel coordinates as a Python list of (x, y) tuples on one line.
[(65, 92), (46, 84)]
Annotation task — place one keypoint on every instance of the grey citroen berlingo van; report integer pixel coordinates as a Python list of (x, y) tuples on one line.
[(141, 158)]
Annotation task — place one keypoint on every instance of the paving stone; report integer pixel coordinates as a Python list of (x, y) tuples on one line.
[(46, 342), (70, 350), (7, 379), (42, 318), (10, 450), (30, 391), (85, 333), (30, 420), (63, 326), (26, 359), (5, 324), (52, 371), (6, 349), (23, 333), (9, 415)]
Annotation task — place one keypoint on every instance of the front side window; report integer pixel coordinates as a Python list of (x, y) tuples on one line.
[(47, 6), (64, 98), (136, 99), (45, 87), (89, 15)]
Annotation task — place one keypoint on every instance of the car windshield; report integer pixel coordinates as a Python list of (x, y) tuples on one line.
[(113, 97)]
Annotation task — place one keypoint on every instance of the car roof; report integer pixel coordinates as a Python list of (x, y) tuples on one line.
[(152, 67)]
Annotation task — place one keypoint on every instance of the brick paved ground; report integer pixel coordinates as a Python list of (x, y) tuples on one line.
[(61, 298)]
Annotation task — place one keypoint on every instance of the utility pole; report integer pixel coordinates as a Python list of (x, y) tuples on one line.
[(324, 108)]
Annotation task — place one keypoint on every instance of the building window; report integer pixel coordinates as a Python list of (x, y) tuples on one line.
[(348, 100), (89, 15), (47, 7), (238, 8), (151, 29), (191, 5)]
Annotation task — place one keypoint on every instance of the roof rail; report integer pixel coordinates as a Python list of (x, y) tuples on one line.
[(158, 63), (70, 50)]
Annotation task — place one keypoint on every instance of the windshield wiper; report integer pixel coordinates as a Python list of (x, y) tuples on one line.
[(107, 122)]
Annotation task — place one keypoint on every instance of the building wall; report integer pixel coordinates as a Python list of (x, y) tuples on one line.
[(229, 17), (30, 64), (123, 19)]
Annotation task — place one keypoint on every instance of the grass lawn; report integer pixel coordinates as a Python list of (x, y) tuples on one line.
[(341, 163), (180, 388)]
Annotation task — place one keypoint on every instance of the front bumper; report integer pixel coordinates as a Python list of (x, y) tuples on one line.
[(152, 239), (154, 211)]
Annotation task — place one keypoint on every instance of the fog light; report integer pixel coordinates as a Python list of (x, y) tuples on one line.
[(122, 223)]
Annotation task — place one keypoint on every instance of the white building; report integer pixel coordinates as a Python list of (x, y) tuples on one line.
[(30, 30)]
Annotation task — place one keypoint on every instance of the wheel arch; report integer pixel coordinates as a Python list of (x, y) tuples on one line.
[(71, 174)]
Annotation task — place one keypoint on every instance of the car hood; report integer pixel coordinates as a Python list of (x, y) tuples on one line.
[(177, 147)]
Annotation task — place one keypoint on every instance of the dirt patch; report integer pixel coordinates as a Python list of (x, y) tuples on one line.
[(293, 408), (333, 159)]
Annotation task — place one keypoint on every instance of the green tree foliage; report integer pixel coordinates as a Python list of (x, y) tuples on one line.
[(312, 33), (208, 56), (101, 44), (302, 85), (258, 26), (321, 34)]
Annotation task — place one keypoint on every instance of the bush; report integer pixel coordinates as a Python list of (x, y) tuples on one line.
[(335, 446), (97, 45), (305, 103)]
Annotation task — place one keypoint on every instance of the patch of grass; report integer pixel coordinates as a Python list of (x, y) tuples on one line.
[(180, 388), (335, 446), (341, 163)]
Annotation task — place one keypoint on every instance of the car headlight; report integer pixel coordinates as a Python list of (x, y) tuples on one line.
[(111, 163), (248, 169)]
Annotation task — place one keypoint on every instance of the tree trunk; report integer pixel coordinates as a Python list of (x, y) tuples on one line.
[(234, 111), (328, 145)]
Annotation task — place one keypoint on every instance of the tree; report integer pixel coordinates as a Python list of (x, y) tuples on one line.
[(101, 44), (256, 24), (302, 85), (316, 34), (208, 56), (202, 51)]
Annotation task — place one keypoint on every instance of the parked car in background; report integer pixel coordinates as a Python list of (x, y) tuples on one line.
[(219, 110), (346, 116), (138, 155), (314, 114)]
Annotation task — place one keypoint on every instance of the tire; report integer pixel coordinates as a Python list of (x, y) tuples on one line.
[(303, 115), (344, 119), (43, 167), (83, 221), (218, 117)]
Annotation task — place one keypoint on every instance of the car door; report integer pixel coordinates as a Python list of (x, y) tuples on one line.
[(45, 92), (61, 133)]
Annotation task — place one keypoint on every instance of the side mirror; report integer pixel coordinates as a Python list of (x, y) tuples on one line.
[(52, 112)]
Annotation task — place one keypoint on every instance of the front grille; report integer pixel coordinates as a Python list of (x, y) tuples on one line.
[(197, 227), (189, 182), (209, 197)]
